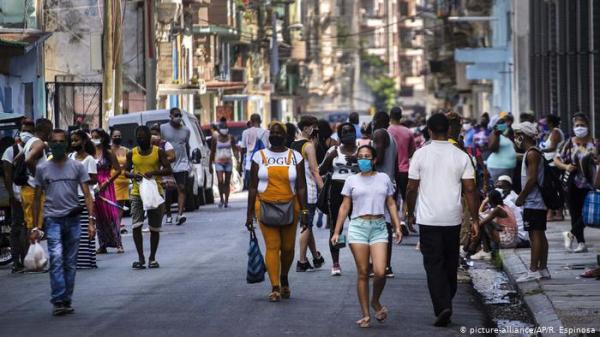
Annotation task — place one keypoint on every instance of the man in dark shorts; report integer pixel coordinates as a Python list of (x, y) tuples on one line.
[(178, 135), (534, 208)]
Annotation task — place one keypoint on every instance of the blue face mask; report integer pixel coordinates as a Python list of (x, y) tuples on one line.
[(501, 127), (365, 165)]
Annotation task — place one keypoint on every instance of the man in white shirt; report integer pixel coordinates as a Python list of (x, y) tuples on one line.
[(253, 139), (438, 176)]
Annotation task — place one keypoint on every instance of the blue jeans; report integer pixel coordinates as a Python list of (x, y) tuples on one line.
[(63, 243)]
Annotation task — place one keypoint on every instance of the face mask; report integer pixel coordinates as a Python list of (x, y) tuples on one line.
[(143, 143), (117, 141), (97, 142), (276, 140), (155, 140), (580, 131), (467, 126), (348, 139), (501, 127), (177, 120), (224, 132), (365, 165), (59, 150), (25, 136)]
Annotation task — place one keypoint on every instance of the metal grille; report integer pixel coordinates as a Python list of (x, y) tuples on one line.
[(66, 102)]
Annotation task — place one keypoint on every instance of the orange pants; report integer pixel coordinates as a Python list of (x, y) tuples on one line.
[(280, 243)]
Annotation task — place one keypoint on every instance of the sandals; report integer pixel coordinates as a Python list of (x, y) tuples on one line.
[(153, 264), (138, 265), (286, 292), (591, 273), (364, 322), (275, 296), (382, 314)]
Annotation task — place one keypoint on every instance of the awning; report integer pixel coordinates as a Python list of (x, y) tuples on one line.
[(181, 89), (7, 117), (230, 98), (20, 43), (225, 85)]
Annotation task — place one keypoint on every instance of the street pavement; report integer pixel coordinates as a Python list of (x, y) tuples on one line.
[(200, 290)]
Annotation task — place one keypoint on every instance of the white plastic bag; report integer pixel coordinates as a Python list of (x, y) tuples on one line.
[(149, 194), (36, 258)]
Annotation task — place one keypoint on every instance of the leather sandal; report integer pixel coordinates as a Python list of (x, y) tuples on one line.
[(364, 322), (286, 292), (381, 314)]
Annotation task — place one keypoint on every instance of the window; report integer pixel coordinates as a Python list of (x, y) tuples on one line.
[(403, 8)]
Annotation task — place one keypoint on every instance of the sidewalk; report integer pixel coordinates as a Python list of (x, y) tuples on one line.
[(566, 300)]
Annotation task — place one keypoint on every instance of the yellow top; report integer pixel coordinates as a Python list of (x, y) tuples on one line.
[(144, 164), (122, 182)]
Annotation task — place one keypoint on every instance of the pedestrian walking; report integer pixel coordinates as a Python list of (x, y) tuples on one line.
[(178, 135), (83, 152), (387, 162), (405, 147), (223, 150), (19, 244), (341, 163), (146, 161), (550, 146), (325, 142), (168, 183), (576, 160), (60, 179), (305, 145), (440, 173), (277, 199), (107, 215), (122, 182), (530, 198), (503, 157), (253, 139), (368, 194)]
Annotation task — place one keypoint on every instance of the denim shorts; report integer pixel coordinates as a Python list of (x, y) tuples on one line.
[(367, 232), (227, 167)]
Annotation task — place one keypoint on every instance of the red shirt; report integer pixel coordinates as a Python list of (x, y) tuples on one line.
[(404, 143)]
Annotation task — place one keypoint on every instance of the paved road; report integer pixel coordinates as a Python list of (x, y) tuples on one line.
[(200, 290)]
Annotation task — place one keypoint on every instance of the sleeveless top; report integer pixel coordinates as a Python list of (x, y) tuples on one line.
[(340, 166), (505, 157), (143, 164), (389, 164), (509, 234), (224, 152), (311, 185), (534, 199), (26, 152), (545, 144)]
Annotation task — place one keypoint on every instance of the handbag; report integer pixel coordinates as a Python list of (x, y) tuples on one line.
[(256, 264), (341, 242), (277, 214), (323, 198), (591, 209)]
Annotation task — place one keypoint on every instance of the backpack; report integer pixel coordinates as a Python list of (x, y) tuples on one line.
[(258, 145), (19, 174), (551, 188)]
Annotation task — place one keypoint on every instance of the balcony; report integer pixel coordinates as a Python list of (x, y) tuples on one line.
[(204, 30), (18, 14), (411, 52), (167, 10)]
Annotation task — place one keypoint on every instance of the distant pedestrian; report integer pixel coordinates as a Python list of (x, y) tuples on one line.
[(405, 147), (277, 180), (354, 119), (341, 163), (550, 147), (60, 179), (368, 194), (439, 174), (176, 133), (576, 161), (108, 168), (223, 151), (305, 145), (530, 198), (253, 139), (503, 157), (146, 162), (122, 182)]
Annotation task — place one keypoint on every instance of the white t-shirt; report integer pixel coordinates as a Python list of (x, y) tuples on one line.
[(509, 201), (440, 168), (89, 163), (27, 151), (368, 193), (249, 138), (9, 156), (276, 159)]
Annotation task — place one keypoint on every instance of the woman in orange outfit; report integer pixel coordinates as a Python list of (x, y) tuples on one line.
[(277, 177)]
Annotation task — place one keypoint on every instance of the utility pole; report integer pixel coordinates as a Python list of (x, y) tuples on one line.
[(150, 54), (107, 58), (118, 57)]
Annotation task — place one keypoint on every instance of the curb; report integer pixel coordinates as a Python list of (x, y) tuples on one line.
[(537, 302)]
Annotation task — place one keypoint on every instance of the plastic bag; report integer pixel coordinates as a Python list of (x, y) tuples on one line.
[(151, 198), (36, 258)]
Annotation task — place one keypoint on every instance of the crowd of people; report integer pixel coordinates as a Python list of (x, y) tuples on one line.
[(72, 187), (472, 189)]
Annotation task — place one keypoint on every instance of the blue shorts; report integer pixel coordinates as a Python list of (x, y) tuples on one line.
[(367, 232), (224, 167)]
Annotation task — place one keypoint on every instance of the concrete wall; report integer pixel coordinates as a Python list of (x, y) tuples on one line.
[(20, 71)]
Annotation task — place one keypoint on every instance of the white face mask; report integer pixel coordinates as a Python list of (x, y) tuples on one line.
[(97, 142), (580, 131), (224, 132), (467, 126)]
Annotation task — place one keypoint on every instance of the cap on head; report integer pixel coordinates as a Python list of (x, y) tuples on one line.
[(505, 178)]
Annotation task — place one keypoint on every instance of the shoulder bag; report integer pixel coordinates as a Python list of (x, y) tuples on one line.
[(279, 213)]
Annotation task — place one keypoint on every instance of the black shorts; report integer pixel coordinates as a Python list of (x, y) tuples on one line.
[(180, 178), (534, 219)]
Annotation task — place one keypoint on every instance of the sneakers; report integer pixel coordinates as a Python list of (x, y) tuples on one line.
[(482, 255), (389, 273), (319, 261), (180, 220), (581, 248), (169, 220), (60, 309), (303, 267), (462, 252), (545, 274), (336, 270), (530, 276), (568, 240)]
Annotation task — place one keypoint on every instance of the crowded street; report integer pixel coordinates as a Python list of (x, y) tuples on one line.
[(200, 290)]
